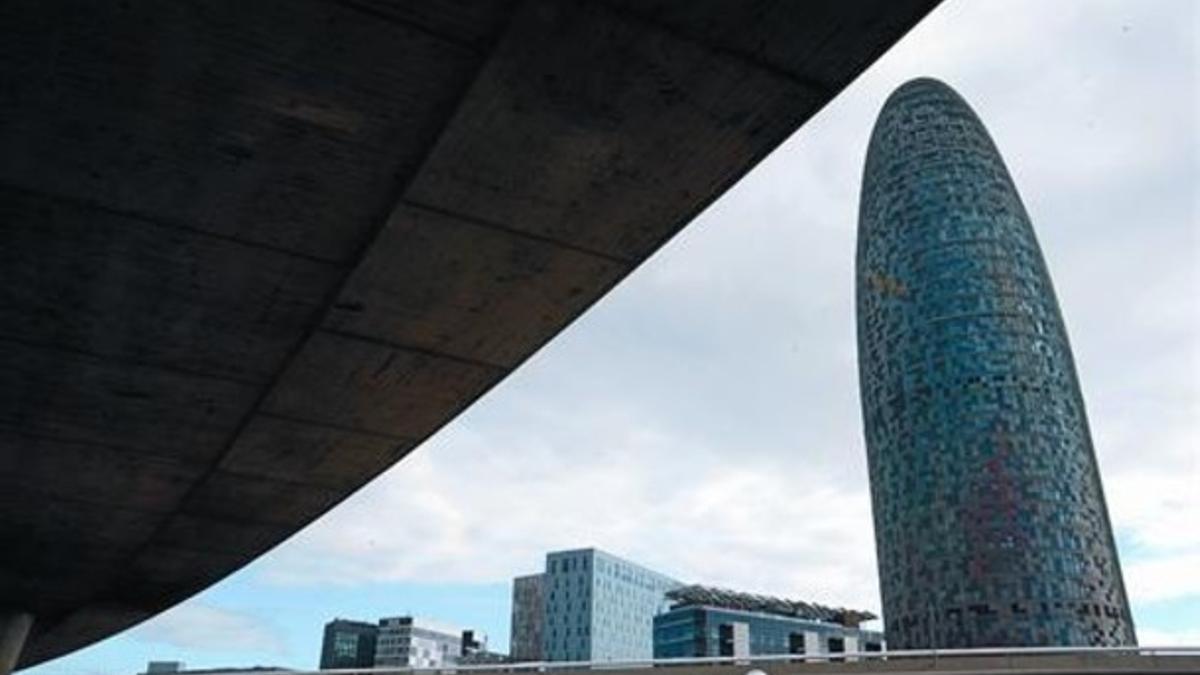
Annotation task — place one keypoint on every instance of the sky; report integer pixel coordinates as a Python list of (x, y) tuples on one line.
[(703, 418)]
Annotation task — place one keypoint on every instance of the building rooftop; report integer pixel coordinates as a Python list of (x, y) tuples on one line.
[(695, 595), (426, 623)]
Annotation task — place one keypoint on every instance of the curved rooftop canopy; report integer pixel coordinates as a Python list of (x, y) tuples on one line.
[(711, 596)]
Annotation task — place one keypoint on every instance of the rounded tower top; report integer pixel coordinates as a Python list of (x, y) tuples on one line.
[(924, 90), (923, 83), (923, 125), (921, 105)]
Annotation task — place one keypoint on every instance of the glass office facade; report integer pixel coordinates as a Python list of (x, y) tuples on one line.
[(990, 522), (709, 631), (599, 607), (348, 644)]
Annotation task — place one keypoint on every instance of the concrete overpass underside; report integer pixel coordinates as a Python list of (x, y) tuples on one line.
[(254, 252)]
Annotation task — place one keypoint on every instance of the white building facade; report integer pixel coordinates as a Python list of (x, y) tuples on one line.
[(408, 642)]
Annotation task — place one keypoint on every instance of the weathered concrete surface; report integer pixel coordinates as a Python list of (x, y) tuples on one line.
[(255, 252), (14, 628)]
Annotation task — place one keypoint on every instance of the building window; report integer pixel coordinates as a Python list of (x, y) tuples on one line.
[(345, 645)]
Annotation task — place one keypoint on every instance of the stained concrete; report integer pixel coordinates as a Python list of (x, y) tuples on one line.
[(14, 628), (255, 252)]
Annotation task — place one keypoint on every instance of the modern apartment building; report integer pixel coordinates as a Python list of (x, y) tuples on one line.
[(599, 607)]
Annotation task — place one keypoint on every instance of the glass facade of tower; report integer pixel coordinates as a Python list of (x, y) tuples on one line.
[(990, 522)]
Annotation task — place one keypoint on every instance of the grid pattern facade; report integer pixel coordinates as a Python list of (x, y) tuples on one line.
[(528, 618), (600, 607), (703, 631), (405, 642), (990, 522), (348, 644)]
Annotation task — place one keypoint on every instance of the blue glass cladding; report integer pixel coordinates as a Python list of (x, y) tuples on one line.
[(990, 522), (696, 632)]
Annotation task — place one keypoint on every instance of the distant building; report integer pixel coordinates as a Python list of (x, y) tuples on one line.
[(472, 642), (528, 618), (474, 651), (348, 644), (706, 621), (406, 642), (599, 607), (483, 657)]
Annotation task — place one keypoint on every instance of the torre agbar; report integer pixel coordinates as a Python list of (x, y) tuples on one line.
[(990, 522)]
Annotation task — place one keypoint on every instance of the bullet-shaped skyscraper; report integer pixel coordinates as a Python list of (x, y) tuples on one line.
[(990, 522)]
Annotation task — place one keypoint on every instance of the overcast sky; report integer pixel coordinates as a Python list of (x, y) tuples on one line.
[(703, 418)]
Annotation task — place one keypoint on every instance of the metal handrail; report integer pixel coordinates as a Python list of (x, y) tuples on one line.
[(905, 654)]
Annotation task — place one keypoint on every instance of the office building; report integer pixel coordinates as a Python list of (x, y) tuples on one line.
[(990, 522), (705, 621), (528, 618), (407, 642), (348, 644), (599, 607)]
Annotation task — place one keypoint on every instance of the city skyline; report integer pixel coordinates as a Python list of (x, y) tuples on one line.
[(736, 341)]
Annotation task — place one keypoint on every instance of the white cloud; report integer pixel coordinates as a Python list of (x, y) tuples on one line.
[(203, 627), (1165, 577), (1160, 511), (463, 510)]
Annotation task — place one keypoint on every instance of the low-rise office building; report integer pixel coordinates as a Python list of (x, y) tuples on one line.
[(403, 642), (348, 644), (705, 621), (407, 642)]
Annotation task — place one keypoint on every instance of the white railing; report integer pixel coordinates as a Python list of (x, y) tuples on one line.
[(761, 660)]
